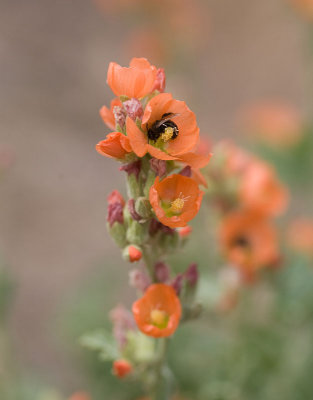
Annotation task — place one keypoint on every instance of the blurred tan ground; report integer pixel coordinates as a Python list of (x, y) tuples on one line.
[(54, 56)]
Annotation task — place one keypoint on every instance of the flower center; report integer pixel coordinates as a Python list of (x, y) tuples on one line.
[(177, 205), (159, 318), (167, 134)]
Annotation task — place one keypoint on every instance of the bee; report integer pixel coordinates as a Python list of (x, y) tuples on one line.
[(160, 125)]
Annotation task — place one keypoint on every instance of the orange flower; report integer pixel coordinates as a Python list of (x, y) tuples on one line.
[(185, 231), (174, 139), (175, 200), (158, 312), (273, 122), (304, 6), (135, 82), (107, 114), (261, 191), (300, 235), (116, 145), (249, 242), (121, 368), (80, 396)]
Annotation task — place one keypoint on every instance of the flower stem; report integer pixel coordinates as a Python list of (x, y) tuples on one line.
[(161, 389)]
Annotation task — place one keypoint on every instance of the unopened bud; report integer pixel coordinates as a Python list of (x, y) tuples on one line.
[(131, 208), (139, 280), (115, 197), (133, 108), (161, 272), (132, 253), (120, 116), (133, 187), (158, 166), (118, 233), (121, 368), (143, 207), (136, 232), (192, 275), (185, 231), (115, 214), (132, 168), (186, 171), (177, 283)]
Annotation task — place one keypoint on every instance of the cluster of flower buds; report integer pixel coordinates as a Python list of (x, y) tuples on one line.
[(247, 194), (155, 138)]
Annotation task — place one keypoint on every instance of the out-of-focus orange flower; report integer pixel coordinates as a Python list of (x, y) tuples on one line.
[(305, 7), (300, 235), (158, 312), (80, 396), (275, 123), (107, 114), (148, 43), (116, 145), (121, 368), (249, 242), (261, 191), (136, 81), (173, 139), (175, 200)]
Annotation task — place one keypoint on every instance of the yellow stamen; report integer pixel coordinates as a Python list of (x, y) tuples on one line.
[(167, 134), (159, 318), (177, 205)]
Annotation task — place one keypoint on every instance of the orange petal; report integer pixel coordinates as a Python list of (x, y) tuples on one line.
[(137, 138), (107, 117), (195, 160), (159, 154)]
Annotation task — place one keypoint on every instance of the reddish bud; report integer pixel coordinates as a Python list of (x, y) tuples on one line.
[(132, 253), (132, 168), (119, 115), (185, 231), (133, 108), (192, 274), (139, 280), (115, 214), (177, 283), (186, 171), (116, 197), (158, 166), (121, 368), (80, 396), (161, 272), (131, 208), (160, 80), (123, 322)]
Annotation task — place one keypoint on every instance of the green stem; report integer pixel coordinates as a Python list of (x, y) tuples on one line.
[(161, 389)]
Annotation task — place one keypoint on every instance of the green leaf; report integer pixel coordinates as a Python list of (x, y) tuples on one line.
[(103, 342)]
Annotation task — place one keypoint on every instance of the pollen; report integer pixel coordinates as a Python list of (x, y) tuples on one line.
[(167, 134), (159, 318), (178, 204)]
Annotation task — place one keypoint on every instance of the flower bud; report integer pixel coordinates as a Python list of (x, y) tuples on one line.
[(161, 272), (133, 187), (132, 168), (131, 208), (158, 166), (133, 108), (177, 283), (80, 396), (192, 275), (186, 172), (120, 116), (118, 233), (132, 253), (121, 368), (159, 83), (139, 280), (123, 322), (185, 231), (116, 197), (143, 207), (136, 233)]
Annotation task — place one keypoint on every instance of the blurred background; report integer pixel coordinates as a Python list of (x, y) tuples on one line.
[(224, 58)]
